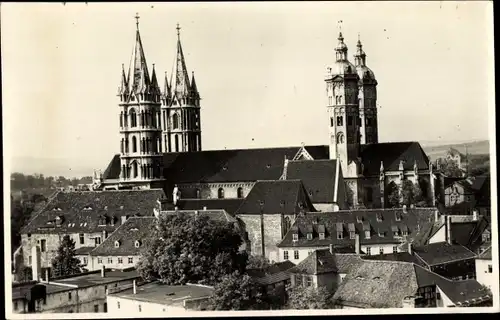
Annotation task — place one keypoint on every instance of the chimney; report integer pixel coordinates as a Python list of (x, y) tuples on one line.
[(436, 216), (331, 249), (448, 229), (357, 245), (204, 208), (35, 266), (410, 248), (103, 271), (104, 234), (135, 286), (474, 215), (404, 209)]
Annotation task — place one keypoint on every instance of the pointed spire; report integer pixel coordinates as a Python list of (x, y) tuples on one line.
[(155, 88), (341, 49), (138, 69), (181, 86), (359, 56), (124, 82), (194, 88), (166, 89)]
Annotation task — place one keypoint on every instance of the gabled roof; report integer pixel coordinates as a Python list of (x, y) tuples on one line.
[(323, 261), (318, 176), (134, 229), (442, 252), (485, 255), (391, 153), (85, 211), (229, 205), (279, 196), (275, 273), (468, 234), (381, 230), (400, 256), (384, 284), (225, 165)]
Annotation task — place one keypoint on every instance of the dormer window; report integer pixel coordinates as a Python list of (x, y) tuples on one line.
[(321, 236), (405, 232), (340, 230), (137, 244), (295, 237), (352, 235), (379, 217), (117, 244), (367, 234), (381, 234), (395, 231), (309, 236), (398, 216), (359, 219), (340, 235)]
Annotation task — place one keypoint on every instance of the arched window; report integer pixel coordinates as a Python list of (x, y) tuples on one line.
[(240, 193), (133, 118), (176, 143), (340, 120), (340, 137), (122, 145), (121, 119), (134, 144), (198, 194), (175, 121), (135, 172), (220, 193), (126, 145)]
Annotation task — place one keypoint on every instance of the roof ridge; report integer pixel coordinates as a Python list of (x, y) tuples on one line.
[(41, 210), (314, 160)]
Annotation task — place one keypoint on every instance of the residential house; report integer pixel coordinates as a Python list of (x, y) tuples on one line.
[(457, 157), (482, 188), (324, 268), (82, 293), (274, 280), (381, 231), (459, 197), (155, 298), (485, 274), (87, 217), (396, 284)]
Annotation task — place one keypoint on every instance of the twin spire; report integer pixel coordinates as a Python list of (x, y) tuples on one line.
[(341, 51), (138, 81)]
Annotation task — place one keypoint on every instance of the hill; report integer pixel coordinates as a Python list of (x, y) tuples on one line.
[(473, 148)]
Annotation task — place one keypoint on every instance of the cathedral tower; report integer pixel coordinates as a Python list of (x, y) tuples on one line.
[(181, 123), (367, 98), (343, 110), (140, 130)]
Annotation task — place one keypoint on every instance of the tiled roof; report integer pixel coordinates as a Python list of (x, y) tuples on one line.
[(400, 256), (460, 292), (391, 153), (384, 284), (217, 215), (83, 250), (279, 196), (94, 278), (318, 177), (442, 252), (485, 255), (134, 229), (83, 212), (377, 284), (275, 273), (381, 230), (323, 261), (468, 234), (229, 205), (448, 181)]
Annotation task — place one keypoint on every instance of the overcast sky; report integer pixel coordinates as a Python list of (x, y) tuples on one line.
[(259, 68)]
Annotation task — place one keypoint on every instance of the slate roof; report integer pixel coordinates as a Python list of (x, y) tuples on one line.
[(217, 215), (442, 252), (229, 205), (279, 196), (486, 255), (400, 256), (275, 273), (384, 284), (318, 177), (468, 234), (134, 229), (80, 212), (82, 251), (391, 153), (411, 221), (323, 261)]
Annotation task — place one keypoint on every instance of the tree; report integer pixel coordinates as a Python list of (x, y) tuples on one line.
[(65, 263), (300, 297), (393, 198), (258, 262), (185, 248), (450, 168), (19, 215), (237, 292), (412, 194)]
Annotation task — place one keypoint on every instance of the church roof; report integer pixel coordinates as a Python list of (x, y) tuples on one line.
[(319, 178), (228, 205), (92, 211), (385, 226), (279, 196)]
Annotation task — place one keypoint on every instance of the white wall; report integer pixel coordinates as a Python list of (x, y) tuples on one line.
[(93, 262), (128, 307), (440, 236), (482, 274), (444, 302)]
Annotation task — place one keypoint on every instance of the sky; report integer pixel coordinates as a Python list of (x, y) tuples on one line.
[(259, 68)]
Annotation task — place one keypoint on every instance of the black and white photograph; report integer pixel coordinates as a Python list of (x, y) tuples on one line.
[(196, 159)]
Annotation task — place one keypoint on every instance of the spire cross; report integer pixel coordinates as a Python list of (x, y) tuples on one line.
[(359, 37), (340, 25), (178, 31), (137, 20)]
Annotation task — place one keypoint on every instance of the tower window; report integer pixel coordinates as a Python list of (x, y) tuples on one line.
[(134, 170), (331, 122), (340, 121), (340, 138), (368, 121), (220, 193), (133, 118), (330, 101), (175, 121), (134, 144), (198, 194), (349, 120)]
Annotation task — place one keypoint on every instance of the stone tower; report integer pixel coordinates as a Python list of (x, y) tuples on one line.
[(367, 98), (343, 110), (140, 130), (181, 123)]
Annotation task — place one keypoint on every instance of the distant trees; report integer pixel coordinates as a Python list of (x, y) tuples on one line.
[(65, 262), (309, 298), (20, 213), (185, 248), (20, 181), (450, 168), (393, 198), (237, 292), (258, 262)]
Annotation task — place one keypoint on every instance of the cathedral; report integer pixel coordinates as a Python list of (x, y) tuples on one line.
[(161, 143)]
